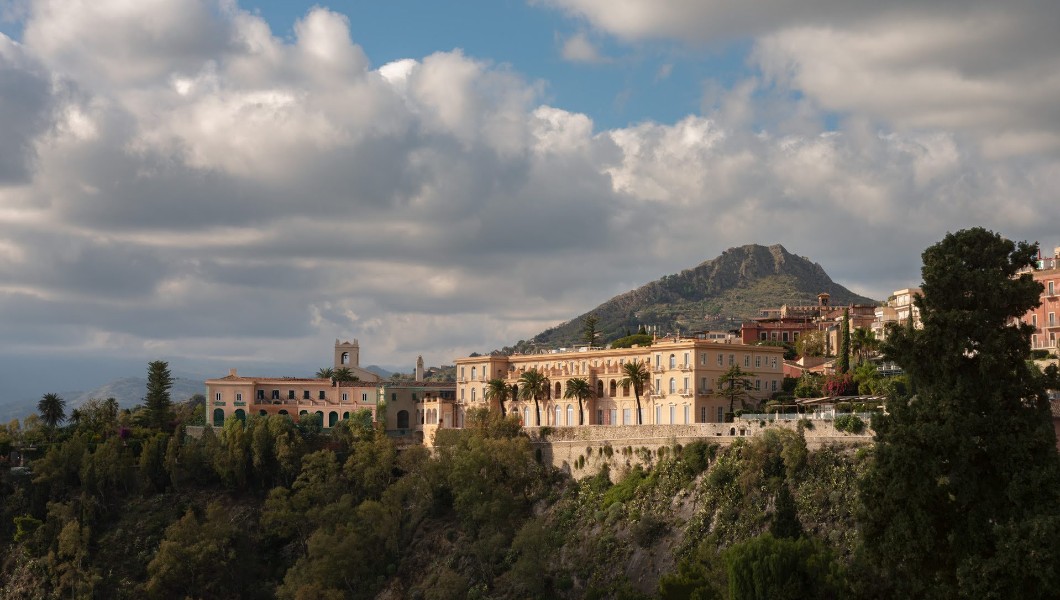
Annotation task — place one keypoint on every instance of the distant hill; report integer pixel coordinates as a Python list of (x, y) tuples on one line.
[(130, 391), (717, 294)]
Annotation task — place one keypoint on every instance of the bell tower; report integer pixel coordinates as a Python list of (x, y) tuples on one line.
[(347, 354)]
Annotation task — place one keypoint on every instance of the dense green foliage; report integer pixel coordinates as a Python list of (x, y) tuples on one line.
[(962, 499)]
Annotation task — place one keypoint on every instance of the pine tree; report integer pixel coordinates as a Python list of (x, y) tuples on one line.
[(159, 406), (962, 499)]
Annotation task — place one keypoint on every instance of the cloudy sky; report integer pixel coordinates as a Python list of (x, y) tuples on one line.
[(224, 184)]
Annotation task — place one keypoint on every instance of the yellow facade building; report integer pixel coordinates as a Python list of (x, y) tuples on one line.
[(683, 388)]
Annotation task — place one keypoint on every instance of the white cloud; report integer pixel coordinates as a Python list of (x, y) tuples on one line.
[(578, 48), (987, 69), (222, 188)]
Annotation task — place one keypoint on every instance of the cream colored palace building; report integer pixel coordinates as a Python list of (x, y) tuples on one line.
[(683, 387)]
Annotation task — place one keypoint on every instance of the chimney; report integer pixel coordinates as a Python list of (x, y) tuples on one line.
[(232, 373)]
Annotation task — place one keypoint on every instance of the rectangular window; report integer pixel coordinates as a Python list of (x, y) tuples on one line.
[(461, 372), (758, 362), (275, 394), (345, 397), (795, 336), (627, 416), (763, 336), (599, 416), (686, 359), (305, 394), (758, 384), (673, 414), (703, 359), (613, 413), (774, 385), (1034, 321), (685, 391), (239, 397), (658, 386), (1052, 319), (721, 360), (261, 394), (322, 395), (721, 414), (784, 337), (364, 397), (217, 396), (747, 360), (658, 415), (1051, 288), (774, 362), (686, 414), (703, 414), (703, 384), (461, 394), (290, 394), (658, 360)]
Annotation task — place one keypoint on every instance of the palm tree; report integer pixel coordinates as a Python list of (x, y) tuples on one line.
[(579, 388), (863, 341), (325, 373), (533, 384), (344, 374), (739, 385), (637, 375), (52, 409), (497, 390)]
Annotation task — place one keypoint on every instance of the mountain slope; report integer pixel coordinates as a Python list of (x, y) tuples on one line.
[(718, 293)]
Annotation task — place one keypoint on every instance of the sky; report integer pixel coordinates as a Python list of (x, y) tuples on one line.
[(237, 184)]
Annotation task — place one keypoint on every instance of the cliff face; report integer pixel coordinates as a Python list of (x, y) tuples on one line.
[(718, 293)]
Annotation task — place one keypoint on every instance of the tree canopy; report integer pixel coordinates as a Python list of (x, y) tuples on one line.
[(965, 483)]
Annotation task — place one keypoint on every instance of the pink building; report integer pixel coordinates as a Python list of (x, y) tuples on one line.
[(1046, 318)]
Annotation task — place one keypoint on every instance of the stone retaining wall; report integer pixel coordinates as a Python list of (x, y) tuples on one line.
[(582, 450)]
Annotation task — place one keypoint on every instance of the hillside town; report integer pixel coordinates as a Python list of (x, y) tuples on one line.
[(677, 379)]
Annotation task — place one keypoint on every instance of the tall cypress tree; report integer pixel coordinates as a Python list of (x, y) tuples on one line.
[(844, 344), (962, 499), (159, 406)]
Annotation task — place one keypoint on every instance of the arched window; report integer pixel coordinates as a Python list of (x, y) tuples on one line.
[(241, 415), (625, 389), (473, 369), (526, 417), (333, 418), (614, 387), (218, 417), (262, 413), (599, 388), (345, 359), (570, 415), (559, 391), (284, 413), (673, 385), (673, 361), (303, 413), (345, 416), (559, 416), (403, 419)]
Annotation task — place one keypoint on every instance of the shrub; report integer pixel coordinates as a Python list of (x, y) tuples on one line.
[(649, 529), (850, 424)]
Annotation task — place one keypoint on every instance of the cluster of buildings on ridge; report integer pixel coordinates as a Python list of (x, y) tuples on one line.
[(682, 389)]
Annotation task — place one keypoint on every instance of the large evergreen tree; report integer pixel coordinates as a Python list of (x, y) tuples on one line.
[(843, 364), (159, 406), (52, 409), (963, 497)]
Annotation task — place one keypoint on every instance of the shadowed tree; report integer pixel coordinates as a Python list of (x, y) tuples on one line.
[(579, 388), (589, 332), (52, 410), (735, 384), (636, 375), (500, 392), (533, 385), (159, 406), (962, 498)]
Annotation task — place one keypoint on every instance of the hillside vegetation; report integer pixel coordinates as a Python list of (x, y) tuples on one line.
[(718, 293)]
